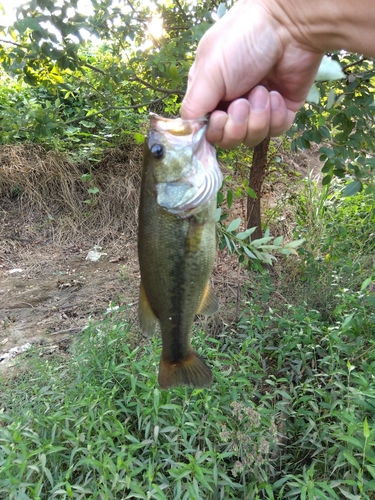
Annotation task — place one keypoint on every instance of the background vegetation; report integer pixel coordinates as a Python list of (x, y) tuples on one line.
[(291, 410)]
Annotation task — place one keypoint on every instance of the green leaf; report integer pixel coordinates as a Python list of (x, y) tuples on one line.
[(295, 243), (93, 190), (245, 234), (139, 138), (347, 321), (234, 225), (249, 253), (218, 214), (86, 177), (31, 23), (261, 241), (173, 71), (277, 241), (228, 243), (288, 251), (221, 10), (352, 460), (366, 429), (352, 188), (331, 98), (352, 440), (365, 284), (87, 124), (326, 180), (250, 192), (349, 495)]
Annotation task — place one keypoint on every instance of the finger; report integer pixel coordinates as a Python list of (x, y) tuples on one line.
[(235, 129), (247, 121), (203, 94), (228, 129), (216, 125), (260, 116), (281, 117)]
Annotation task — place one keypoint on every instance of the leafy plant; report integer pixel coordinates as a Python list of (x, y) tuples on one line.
[(261, 249), (92, 191), (340, 118)]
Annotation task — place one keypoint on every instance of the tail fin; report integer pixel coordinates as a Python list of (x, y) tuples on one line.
[(191, 371)]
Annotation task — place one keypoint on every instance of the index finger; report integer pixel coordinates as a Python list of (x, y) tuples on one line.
[(202, 95)]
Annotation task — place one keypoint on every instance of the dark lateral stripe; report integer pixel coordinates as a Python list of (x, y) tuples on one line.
[(177, 344)]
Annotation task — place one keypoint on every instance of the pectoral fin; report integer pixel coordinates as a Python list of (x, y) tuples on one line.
[(147, 318), (209, 304), (194, 236)]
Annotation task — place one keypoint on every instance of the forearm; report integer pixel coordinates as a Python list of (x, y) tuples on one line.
[(329, 24)]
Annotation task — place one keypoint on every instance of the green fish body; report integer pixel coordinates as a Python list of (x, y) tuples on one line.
[(177, 243)]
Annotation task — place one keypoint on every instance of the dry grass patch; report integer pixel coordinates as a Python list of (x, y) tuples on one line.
[(48, 189)]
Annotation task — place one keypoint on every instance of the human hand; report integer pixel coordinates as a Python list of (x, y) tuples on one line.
[(252, 74)]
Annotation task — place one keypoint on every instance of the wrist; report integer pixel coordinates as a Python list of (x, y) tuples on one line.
[(329, 25)]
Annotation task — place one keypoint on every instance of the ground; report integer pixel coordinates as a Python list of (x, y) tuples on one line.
[(49, 290), (49, 293)]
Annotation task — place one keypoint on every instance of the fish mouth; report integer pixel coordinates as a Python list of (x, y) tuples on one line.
[(178, 126), (202, 182)]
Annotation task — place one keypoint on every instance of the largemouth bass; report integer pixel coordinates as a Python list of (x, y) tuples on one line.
[(177, 242)]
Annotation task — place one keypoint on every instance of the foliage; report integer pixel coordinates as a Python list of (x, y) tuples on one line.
[(339, 249), (233, 236), (88, 74), (261, 249), (343, 123), (92, 191)]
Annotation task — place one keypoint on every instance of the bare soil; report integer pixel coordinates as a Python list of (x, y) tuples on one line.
[(54, 291)]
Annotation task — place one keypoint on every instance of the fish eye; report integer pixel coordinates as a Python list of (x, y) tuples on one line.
[(157, 151)]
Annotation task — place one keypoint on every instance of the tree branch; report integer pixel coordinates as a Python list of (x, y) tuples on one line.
[(13, 43), (121, 108), (354, 63), (97, 70), (157, 44), (183, 13), (136, 78)]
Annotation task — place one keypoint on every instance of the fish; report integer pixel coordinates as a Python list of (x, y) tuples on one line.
[(177, 243)]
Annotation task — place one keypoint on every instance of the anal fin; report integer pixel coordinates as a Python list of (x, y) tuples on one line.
[(147, 318), (209, 303)]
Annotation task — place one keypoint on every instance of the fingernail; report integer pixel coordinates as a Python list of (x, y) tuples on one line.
[(239, 111), (217, 122), (259, 99), (275, 101)]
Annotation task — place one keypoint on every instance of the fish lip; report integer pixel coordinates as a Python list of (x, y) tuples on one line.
[(177, 126)]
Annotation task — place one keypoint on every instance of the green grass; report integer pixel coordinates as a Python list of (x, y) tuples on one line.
[(290, 415)]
